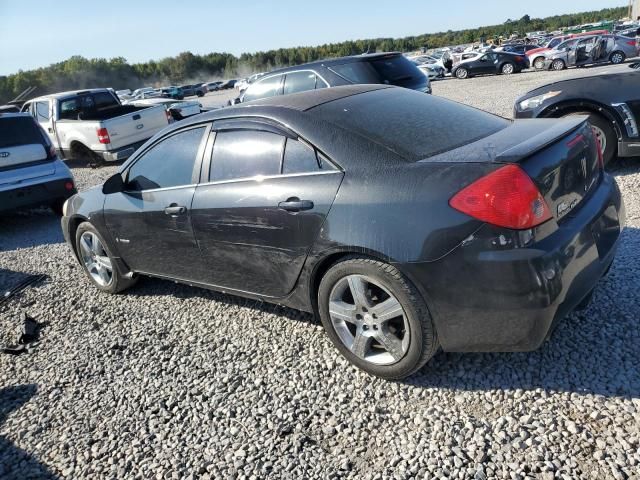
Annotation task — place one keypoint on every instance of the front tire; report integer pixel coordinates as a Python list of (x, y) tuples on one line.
[(376, 318), (507, 69), (605, 133), (462, 73), (97, 261), (538, 63)]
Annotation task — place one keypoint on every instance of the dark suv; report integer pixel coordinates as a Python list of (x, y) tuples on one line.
[(380, 68)]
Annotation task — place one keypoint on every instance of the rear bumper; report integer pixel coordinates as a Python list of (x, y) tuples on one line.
[(484, 298), (40, 193), (120, 154)]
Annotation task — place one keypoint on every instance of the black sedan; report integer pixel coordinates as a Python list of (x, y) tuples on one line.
[(407, 222), (610, 100), (490, 63)]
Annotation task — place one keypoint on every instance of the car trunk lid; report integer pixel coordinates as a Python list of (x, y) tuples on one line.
[(559, 155), (22, 146)]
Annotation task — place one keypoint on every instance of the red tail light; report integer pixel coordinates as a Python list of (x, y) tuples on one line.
[(632, 43), (506, 197), (68, 185), (103, 135)]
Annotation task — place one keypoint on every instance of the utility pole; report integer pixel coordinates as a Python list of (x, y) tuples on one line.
[(634, 9)]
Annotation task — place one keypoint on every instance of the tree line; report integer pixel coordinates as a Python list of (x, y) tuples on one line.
[(78, 72)]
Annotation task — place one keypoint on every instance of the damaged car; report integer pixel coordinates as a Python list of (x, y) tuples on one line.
[(588, 50), (407, 222)]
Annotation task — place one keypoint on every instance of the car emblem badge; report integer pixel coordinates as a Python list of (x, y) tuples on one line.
[(4, 154)]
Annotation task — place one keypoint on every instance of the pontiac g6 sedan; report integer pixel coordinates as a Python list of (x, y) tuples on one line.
[(406, 222)]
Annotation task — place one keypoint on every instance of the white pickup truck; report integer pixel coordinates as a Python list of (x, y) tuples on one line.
[(93, 124)]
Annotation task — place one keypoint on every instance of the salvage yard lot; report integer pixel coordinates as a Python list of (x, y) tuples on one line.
[(168, 381)]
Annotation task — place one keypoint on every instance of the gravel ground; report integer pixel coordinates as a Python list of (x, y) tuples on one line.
[(167, 381)]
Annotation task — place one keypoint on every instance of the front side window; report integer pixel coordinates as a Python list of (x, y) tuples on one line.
[(269, 87), (42, 112), (244, 154), (299, 82), (168, 163)]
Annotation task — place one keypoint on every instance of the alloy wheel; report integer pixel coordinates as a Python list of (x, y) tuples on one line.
[(617, 58), (461, 73), (539, 63), (507, 69), (602, 138), (558, 65), (369, 320), (95, 259)]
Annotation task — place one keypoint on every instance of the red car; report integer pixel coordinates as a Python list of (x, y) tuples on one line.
[(537, 60)]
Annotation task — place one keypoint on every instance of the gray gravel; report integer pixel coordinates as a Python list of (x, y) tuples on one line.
[(167, 381)]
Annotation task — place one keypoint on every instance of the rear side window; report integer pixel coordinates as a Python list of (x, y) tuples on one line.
[(42, 111), (299, 158), (269, 87), (245, 154), (168, 163), (299, 82), (15, 131), (410, 123)]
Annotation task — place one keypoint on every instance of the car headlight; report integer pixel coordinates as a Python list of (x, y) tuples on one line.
[(536, 101)]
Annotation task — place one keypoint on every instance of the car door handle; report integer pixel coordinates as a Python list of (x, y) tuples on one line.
[(294, 204), (175, 210)]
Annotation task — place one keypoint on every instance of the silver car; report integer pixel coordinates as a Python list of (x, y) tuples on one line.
[(30, 171), (591, 49)]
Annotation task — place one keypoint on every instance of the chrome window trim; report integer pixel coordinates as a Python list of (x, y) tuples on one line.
[(260, 178), (284, 74), (141, 192)]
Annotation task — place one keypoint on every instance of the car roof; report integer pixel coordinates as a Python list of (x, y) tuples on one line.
[(365, 57), (69, 93)]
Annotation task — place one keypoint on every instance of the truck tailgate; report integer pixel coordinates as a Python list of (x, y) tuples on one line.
[(135, 126)]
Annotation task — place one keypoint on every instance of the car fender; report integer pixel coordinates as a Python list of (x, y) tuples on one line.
[(575, 105)]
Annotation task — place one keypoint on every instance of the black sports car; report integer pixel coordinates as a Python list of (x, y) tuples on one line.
[(490, 63), (610, 100), (407, 222)]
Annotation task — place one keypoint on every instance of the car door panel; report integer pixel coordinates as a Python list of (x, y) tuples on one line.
[(149, 239), (248, 242)]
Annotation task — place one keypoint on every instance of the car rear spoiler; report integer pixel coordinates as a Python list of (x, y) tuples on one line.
[(513, 144)]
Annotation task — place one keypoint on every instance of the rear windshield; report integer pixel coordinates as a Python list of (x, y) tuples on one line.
[(414, 125), (16, 131), (393, 70)]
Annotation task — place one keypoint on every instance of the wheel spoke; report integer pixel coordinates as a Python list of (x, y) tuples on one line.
[(104, 261), (361, 344), (358, 289), (95, 244), (390, 342), (387, 310), (340, 310), (104, 274), (85, 245)]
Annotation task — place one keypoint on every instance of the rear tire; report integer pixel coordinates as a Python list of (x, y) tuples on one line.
[(84, 156), (617, 57), (605, 132), (407, 329), (116, 282)]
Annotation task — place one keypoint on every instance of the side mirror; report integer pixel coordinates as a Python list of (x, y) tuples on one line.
[(114, 184)]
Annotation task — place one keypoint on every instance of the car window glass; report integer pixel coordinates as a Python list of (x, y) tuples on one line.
[(299, 82), (245, 154), (320, 83), (356, 72), (104, 100), (42, 111), (269, 87), (69, 109), (168, 163), (299, 158)]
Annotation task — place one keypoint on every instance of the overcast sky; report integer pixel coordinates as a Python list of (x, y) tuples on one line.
[(37, 33)]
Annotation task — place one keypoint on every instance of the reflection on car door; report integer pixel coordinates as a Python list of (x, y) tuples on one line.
[(150, 221), (257, 218)]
